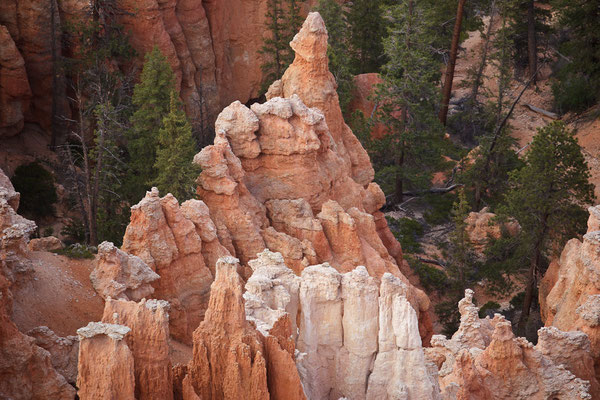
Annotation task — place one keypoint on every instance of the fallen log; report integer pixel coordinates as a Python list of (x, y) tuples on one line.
[(538, 110)]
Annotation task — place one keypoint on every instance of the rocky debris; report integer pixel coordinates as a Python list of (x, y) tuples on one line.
[(48, 243), (15, 92), (14, 235), (120, 275), (475, 364), (7, 191), (569, 293), (168, 238), (481, 227), (26, 370), (229, 357), (106, 363), (149, 344), (63, 351)]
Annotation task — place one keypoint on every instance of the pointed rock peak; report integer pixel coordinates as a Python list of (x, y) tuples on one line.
[(226, 306), (311, 42)]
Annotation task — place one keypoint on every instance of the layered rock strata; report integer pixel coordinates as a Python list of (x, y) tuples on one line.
[(179, 243), (106, 364), (228, 361), (570, 290), (149, 344), (484, 360), (356, 340), (289, 175), (26, 370), (119, 275)]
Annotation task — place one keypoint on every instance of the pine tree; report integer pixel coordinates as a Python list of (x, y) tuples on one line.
[(174, 154), (337, 49), (151, 98), (283, 22), (578, 84), (408, 99), (367, 32), (547, 197)]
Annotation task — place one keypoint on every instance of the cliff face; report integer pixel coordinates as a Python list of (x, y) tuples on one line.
[(26, 370), (211, 45), (570, 290)]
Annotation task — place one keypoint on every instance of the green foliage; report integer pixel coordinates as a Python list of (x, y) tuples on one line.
[(174, 154), (73, 231), (439, 207), (517, 300), (489, 306), (430, 277), (408, 98), (580, 42), (504, 259), (151, 98), (367, 28), (547, 195), (407, 231), (36, 186), (337, 50), (77, 251), (283, 22), (516, 13), (574, 92), (448, 315)]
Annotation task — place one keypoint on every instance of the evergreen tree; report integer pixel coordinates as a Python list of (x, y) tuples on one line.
[(367, 31), (547, 196), (337, 49), (578, 84), (283, 22), (408, 99), (151, 98), (174, 154), (462, 267)]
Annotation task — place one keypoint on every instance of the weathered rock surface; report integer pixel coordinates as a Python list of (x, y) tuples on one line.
[(570, 290), (484, 360), (29, 23), (344, 352), (169, 239), (63, 351), (149, 324), (15, 92), (120, 275), (290, 176), (229, 361), (26, 370), (481, 227), (48, 243), (106, 364)]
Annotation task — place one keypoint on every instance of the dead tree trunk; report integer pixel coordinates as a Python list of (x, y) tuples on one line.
[(451, 63), (531, 40)]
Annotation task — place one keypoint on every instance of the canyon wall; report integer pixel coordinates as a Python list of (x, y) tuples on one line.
[(211, 45)]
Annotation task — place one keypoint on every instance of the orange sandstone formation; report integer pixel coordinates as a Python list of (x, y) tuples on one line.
[(106, 365), (570, 293), (229, 361), (149, 324), (294, 179), (484, 360), (26, 370), (170, 239), (481, 227), (15, 92)]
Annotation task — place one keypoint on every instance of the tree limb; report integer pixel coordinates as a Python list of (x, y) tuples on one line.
[(434, 190)]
